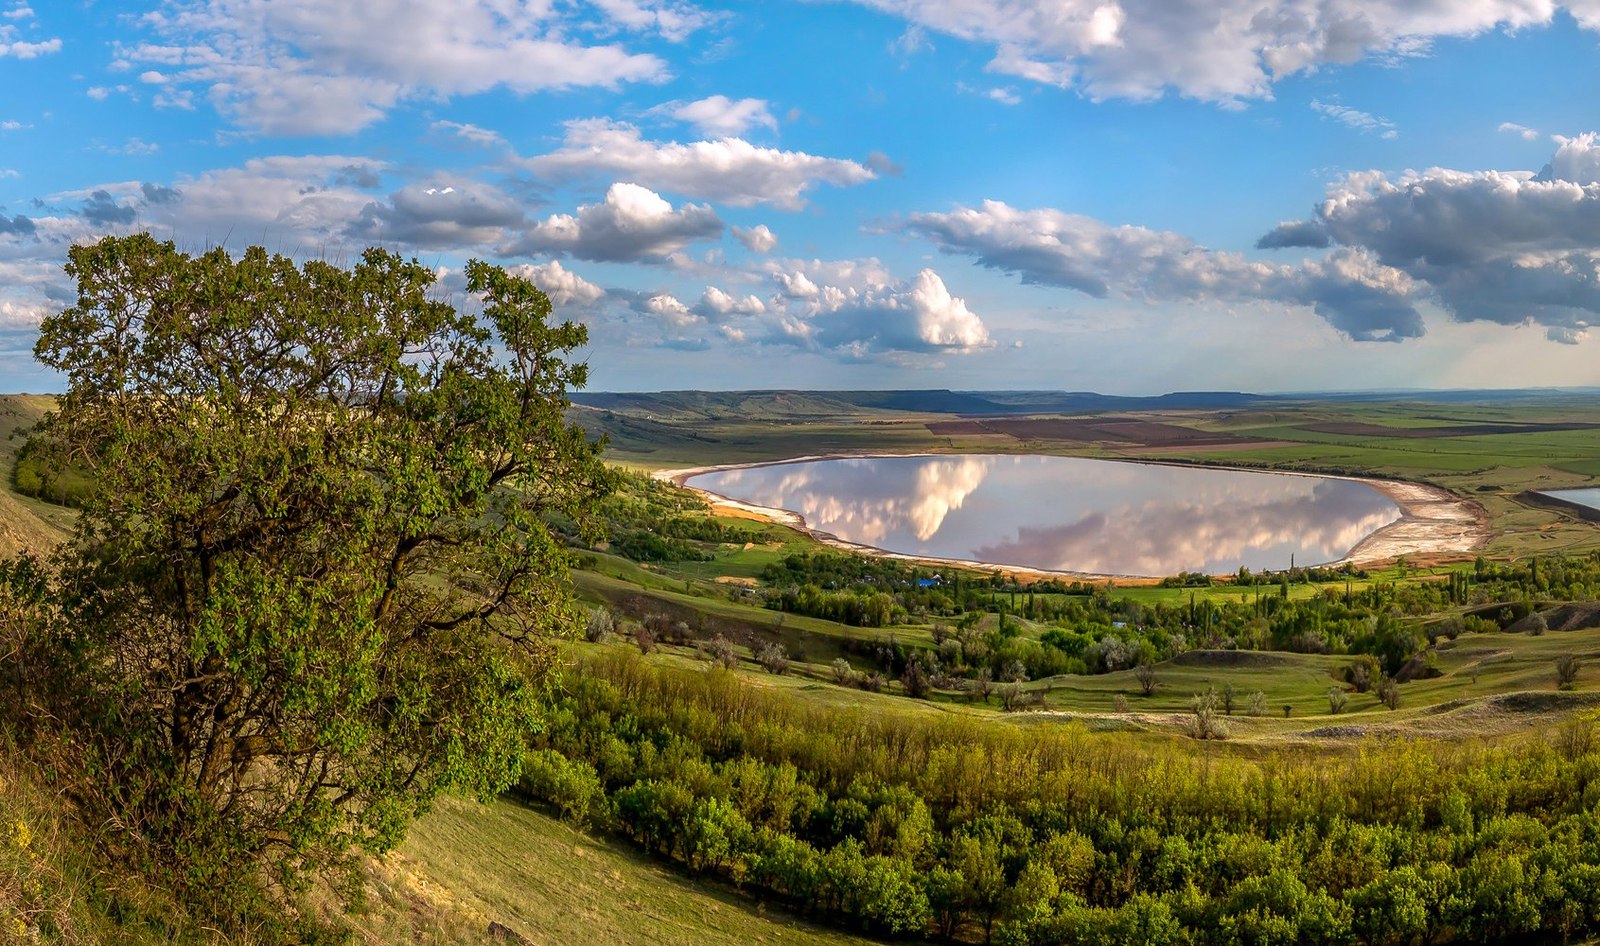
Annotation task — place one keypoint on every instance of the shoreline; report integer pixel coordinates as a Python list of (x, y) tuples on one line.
[(1434, 523)]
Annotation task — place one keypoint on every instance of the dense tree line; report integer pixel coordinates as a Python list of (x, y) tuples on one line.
[(1082, 629), (952, 828)]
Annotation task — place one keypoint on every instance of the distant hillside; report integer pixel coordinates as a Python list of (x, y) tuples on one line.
[(723, 405), (680, 405)]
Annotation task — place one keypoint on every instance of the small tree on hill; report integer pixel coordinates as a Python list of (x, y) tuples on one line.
[(1361, 672), (313, 587), (1145, 673), (1389, 692), (981, 685), (918, 678), (720, 651), (600, 626), (773, 657), (1204, 720)]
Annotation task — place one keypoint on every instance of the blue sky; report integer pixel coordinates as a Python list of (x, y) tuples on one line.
[(1133, 197)]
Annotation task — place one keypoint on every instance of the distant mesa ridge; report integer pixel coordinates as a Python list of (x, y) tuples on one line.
[(938, 401), (797, 403)]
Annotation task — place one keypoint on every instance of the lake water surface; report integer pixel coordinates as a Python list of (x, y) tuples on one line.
[(1069, 514)]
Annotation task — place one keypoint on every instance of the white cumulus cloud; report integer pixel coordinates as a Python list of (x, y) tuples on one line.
[(757, 239), (1521, 131), (313, 67), (563, 286), (443, 214), (718, 116), (632, 223), (1511, 247), (727, 170), (1214, 50), (1359, 296)]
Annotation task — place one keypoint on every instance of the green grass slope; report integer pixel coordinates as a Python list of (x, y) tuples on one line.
[(26, 524), (551, 884)]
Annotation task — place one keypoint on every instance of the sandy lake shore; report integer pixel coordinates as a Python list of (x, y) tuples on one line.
[(1434, 523)]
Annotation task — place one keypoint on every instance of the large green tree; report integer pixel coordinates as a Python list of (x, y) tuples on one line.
[(313, 586)]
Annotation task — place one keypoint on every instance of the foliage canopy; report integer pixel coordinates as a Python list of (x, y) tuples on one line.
[(313, 585)]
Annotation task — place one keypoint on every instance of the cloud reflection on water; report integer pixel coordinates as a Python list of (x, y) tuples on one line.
[(860, 500), (1070, 514)]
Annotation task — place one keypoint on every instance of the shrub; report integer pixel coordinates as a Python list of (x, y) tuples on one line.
[(1567, 667), (600, 626), (1362, 672), (1389, 692), (773, 658), (1204, 720), (720, 651)]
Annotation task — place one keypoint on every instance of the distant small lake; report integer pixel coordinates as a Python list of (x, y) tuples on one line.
[(1069, 514), (1584, 497)]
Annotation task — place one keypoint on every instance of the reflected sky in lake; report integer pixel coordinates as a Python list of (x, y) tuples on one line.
[(1584, 497), (1069, 513)]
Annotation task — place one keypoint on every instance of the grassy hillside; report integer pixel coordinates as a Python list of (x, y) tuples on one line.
[(26, 524), (507, 864)]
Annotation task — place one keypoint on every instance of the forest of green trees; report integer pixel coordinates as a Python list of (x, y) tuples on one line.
[(949, 827), (1091, 631)]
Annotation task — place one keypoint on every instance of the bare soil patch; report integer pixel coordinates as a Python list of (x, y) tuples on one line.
[(1357, 429), (1083, 430), (957, 428), (1433, 522), (1567, 617)]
